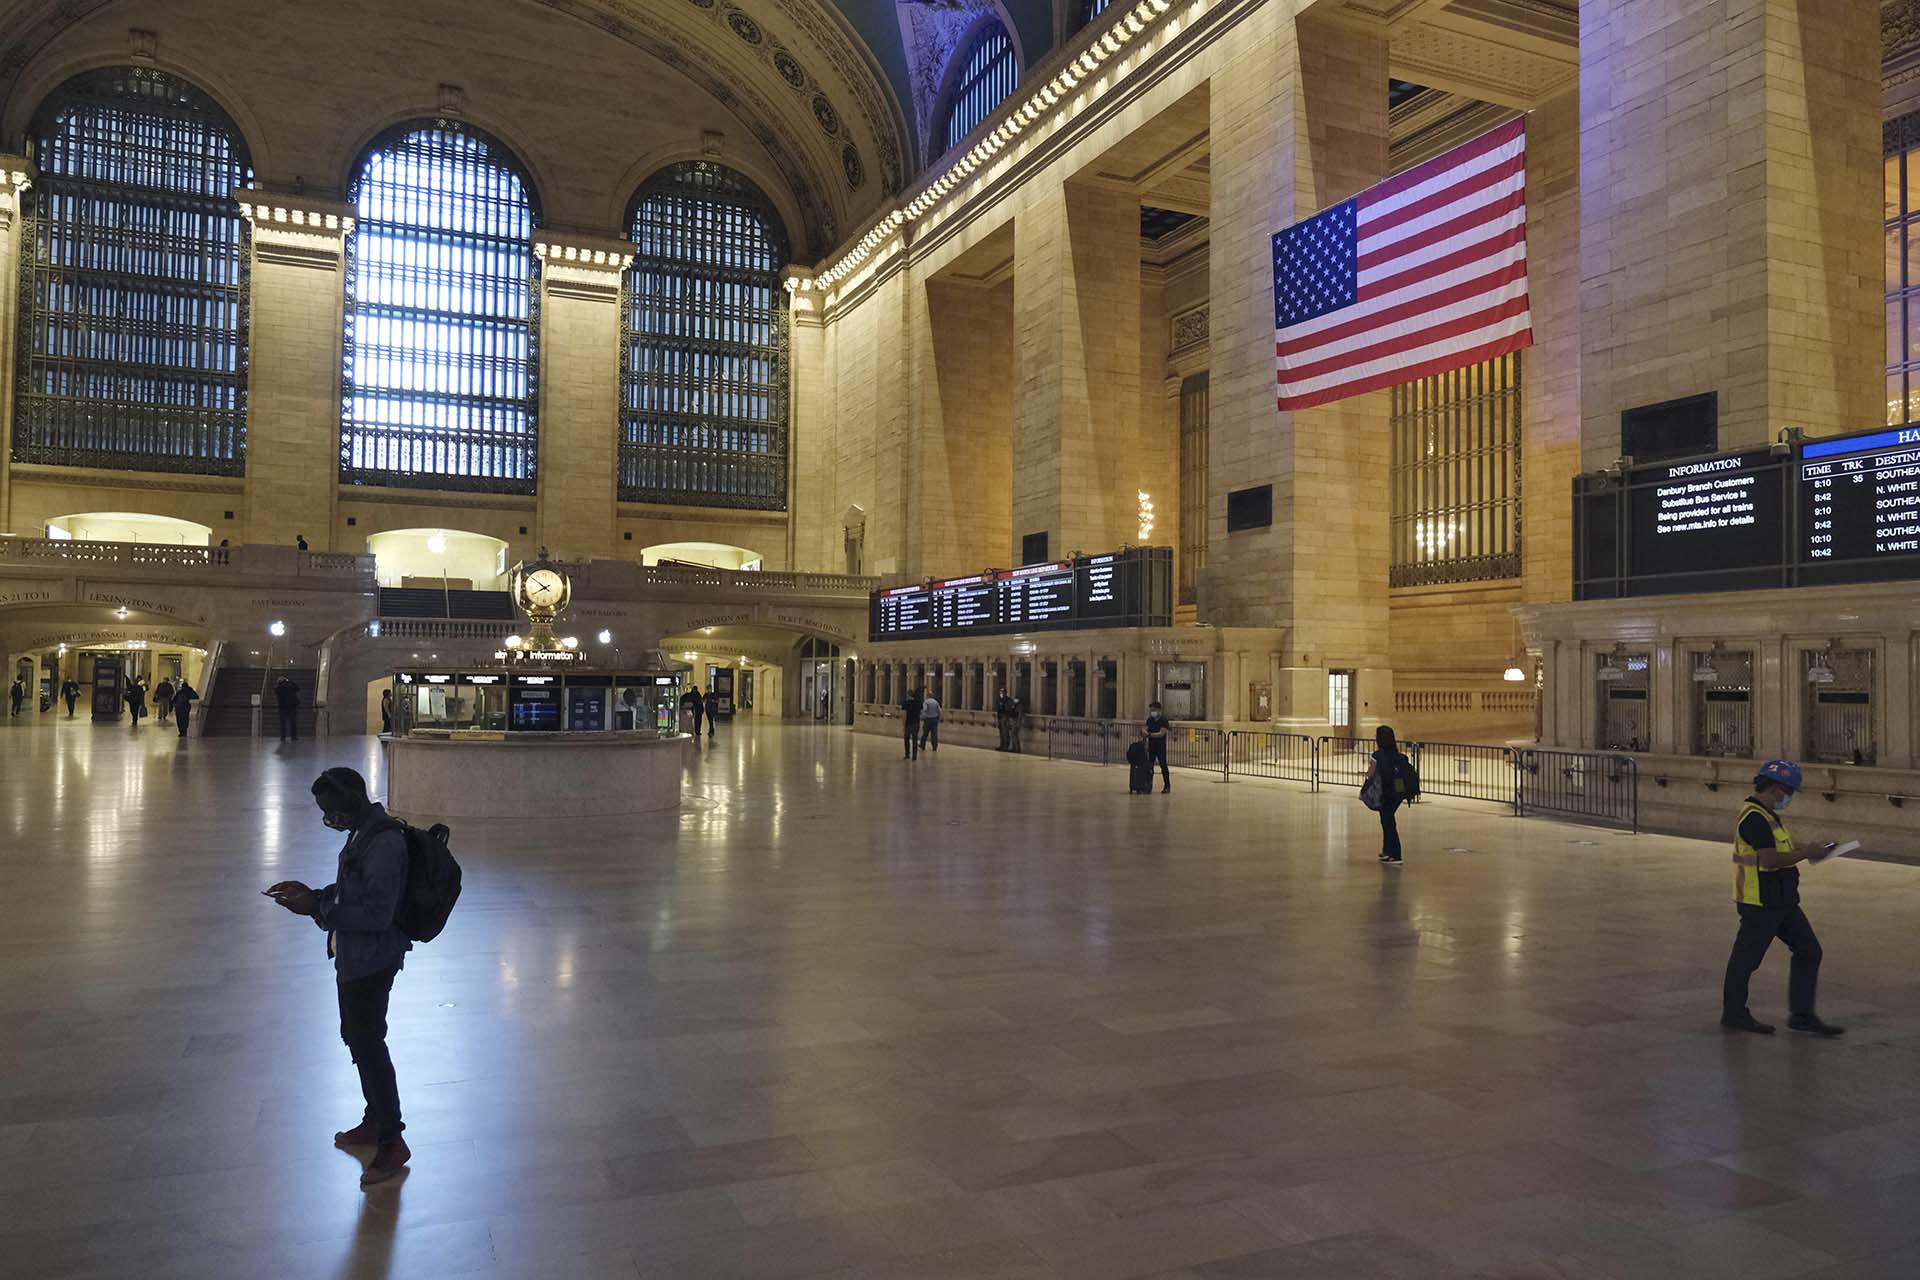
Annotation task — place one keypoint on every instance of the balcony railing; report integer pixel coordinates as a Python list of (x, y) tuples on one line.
[(151, 555)]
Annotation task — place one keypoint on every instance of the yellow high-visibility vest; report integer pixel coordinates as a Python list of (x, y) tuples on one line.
[(1746, 859)]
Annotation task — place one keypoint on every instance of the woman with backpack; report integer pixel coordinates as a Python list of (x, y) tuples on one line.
[(1394, 782)]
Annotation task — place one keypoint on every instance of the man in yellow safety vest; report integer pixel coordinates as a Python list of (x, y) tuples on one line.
[(1766, 893)]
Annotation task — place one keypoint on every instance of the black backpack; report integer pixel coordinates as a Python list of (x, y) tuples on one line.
[(1406, 779), (433, 881)]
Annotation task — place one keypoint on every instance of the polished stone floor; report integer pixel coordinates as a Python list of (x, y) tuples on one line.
[(975, 1016)]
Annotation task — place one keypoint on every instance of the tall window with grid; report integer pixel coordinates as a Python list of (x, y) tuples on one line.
[(1456, 475), (438, 377), (987, 76), (1902, 145), (1195, 412), (132, 347), (703, 374)]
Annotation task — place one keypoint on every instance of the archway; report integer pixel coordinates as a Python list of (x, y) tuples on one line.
[(438, 558), (129, 526), (711, 555)]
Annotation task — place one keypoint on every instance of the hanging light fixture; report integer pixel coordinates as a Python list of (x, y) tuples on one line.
[(1614, 666), (1704, 671), (1821, 671)]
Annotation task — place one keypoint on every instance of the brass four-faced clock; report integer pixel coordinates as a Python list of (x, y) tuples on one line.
[(541, 589)]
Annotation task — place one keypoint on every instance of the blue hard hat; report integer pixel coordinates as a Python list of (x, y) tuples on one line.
[(1782, 773)]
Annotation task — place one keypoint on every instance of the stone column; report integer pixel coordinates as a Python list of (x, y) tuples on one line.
[(579, 391), (16, 175), (295, 307), (1729, 222), (1298, 124), (814, 532), (1076, 401)]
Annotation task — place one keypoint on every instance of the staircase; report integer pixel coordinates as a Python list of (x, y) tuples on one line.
[(430, 602), (230, 714)]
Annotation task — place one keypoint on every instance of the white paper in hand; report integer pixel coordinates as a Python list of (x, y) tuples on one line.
[(1836, 851)]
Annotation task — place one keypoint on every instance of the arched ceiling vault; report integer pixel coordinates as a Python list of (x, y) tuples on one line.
[(812, 94)]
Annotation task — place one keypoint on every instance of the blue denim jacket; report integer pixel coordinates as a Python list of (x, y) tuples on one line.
[(357, 910)]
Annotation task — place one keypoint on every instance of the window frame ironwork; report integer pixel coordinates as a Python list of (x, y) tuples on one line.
[(735, 460), (1456, 459), (988, 73), (1900, 146), (209, 357), (514, 464)]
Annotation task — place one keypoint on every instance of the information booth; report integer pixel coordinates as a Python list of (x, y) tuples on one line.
[(538, 701)]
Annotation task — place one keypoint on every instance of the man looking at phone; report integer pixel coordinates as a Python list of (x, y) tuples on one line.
[(367, 947), (1766, 893)]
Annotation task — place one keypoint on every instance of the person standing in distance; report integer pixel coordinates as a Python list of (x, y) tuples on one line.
[(910, 708), (1766, 893), (712, 706), (184, 696), (1156, 730), (930, 722), (1390, 766), (367, 947), (71, 692), (286, 698)]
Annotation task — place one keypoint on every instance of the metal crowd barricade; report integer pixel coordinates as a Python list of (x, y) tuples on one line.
[(1196, 747), (1578, 784), (1343, 762), (1256, 753), (1075, 739), (1470, 771)]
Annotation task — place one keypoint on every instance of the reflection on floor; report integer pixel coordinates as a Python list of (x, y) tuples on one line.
[(972, 1016)]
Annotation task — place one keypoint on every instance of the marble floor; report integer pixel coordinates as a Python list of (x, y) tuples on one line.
[(974, 1016)]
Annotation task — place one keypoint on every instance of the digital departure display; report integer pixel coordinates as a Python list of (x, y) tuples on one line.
[(1131, 588), (1706, 524), (1860, 506), (1804, 512)]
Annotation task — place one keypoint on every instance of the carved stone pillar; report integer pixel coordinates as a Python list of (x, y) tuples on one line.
[(295, 302)]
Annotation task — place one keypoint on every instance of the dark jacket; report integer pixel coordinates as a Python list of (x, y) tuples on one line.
[(357, 909), (287, 694), (911, 706)]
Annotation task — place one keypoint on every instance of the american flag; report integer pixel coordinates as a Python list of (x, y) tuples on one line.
[(1420, 274)]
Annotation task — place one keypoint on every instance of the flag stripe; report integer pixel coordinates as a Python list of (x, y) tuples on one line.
[(1506, 282), (1458, 320), (1458, 158), (1424, 272), (1509, 203), (1505, 344), (1372, 224), (1504, 239)]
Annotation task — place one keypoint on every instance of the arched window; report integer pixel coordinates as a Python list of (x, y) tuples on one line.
[(986, 78), (437, 379), (133, 309), (703, 372)]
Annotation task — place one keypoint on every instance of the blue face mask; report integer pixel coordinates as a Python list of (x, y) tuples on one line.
[(1783, 802)]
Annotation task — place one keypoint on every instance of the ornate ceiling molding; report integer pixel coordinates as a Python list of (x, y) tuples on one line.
[(809, 95)]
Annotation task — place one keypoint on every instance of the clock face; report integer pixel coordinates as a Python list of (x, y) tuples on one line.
[(545, 587)]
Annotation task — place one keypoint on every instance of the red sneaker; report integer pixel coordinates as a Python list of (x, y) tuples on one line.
[(388, 1161)]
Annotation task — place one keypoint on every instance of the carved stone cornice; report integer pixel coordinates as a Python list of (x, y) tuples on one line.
[(576, 265), (16, 175), (295, 230)]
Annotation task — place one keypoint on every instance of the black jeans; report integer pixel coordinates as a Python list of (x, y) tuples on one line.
[(912, 730), (1157, 754), (363, 1026), (289, 724), (1759, 926), (180, 718), (1389, 830)]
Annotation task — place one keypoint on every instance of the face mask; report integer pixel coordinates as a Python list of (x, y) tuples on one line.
[(1783, 802), (336, 822)]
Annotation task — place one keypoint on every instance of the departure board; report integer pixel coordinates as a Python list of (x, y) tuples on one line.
[(1860, 507), (1132, 588)]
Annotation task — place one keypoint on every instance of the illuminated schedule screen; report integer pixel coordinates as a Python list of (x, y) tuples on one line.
[(1131, 588), (1860, 507), (1842, 509)]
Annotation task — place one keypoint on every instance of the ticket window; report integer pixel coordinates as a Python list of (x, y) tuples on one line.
[(1023, 685), (429, 700), (1839, 708), (485, 701), (587, 700), (1181, 689), (1625, 709), (1109, 703), (1049, 687), (1723, 704)]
